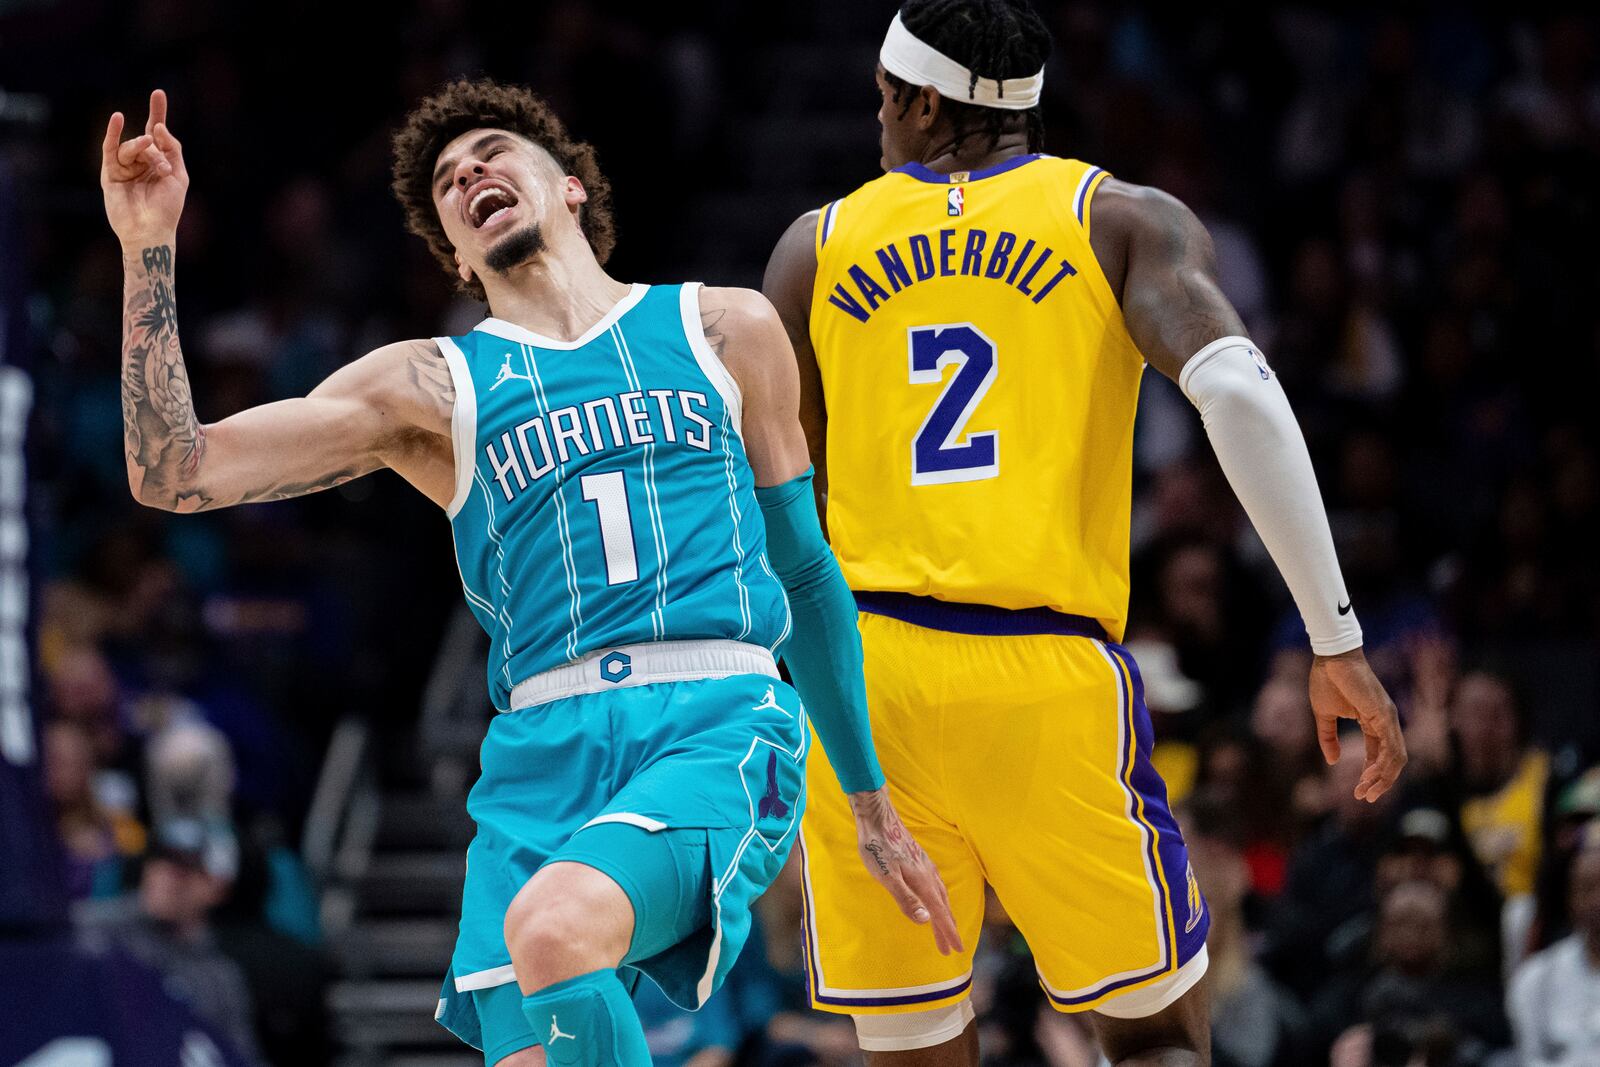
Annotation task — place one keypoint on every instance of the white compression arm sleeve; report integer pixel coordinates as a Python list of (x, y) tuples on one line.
[(1262, 452)]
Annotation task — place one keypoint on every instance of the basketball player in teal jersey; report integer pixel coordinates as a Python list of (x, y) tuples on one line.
[(629, 490)]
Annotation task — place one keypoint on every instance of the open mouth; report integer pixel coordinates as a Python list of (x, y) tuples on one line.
[(489, 204)]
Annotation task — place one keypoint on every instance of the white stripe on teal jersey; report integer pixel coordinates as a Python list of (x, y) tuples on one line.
[(652, 498), (623, 445), (575, 596)]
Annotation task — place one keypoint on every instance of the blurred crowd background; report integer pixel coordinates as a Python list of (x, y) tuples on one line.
[(1405, 212)]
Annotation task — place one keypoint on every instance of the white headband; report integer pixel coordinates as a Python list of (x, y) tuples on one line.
[(911, 60)]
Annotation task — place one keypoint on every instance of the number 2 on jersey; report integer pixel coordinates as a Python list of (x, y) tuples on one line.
[(941, 451)]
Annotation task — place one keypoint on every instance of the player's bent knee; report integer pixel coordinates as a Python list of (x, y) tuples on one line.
[(913, 1030), (565, 923), (1166, 1023)]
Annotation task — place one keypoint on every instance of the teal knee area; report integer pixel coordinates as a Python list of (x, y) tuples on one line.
[(587, 1020), (666, 875)]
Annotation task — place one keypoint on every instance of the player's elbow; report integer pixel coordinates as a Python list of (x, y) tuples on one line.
[(160, 494)]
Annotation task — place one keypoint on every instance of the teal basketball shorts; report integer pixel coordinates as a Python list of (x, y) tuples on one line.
[(687, 791)]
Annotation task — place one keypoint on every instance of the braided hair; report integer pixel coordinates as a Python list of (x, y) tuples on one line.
[(996, 39)]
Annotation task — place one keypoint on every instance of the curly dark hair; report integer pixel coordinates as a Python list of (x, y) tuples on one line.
[(992, 38), (466, 105)]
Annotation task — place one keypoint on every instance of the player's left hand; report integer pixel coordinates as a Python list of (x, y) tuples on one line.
[(1344, 687), (899, 864)]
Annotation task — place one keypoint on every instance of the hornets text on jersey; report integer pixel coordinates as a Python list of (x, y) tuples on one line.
[(602, 494), (986, 456)]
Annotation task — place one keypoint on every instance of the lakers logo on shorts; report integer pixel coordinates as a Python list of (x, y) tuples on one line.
[(1196, 905)]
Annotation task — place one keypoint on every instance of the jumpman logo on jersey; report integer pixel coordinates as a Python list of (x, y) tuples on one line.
[(770, 703), (556, 1033), (772, 804), (507, 374)]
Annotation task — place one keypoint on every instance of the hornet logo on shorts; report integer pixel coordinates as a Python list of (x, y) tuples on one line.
[(956, 201), (772, 803), (615, 666)]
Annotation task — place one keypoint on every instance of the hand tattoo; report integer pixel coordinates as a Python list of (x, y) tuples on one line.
[(877, 855)]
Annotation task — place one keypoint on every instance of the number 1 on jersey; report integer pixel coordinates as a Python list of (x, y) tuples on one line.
[(608, 493), (939, 452)]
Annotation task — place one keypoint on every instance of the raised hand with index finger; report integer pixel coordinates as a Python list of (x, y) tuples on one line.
[(143, 178)]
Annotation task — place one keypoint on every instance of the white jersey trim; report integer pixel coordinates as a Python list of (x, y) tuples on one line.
[(1147, 1000), (486, 979), (710, 365), (512, 332), (626, 818), (463, 421)]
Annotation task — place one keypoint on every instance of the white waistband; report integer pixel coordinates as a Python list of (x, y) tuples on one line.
[(646, 664)]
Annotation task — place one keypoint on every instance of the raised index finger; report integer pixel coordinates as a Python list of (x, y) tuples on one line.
[(158, 110)]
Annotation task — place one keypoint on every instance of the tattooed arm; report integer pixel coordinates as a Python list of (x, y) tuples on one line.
[(745, 333), (1161, 264), (390, 408), (382, 410)]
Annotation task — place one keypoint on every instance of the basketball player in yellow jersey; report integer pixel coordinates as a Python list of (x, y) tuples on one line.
[(972, 328)]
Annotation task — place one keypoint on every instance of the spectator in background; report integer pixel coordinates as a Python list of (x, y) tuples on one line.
[(1503, 778), (1291, 772), (98, 839), (1414, 991), (1577, 805), (1428, 847), (1254, 1021), (1554, 998), (1320, 920), (167, 925)]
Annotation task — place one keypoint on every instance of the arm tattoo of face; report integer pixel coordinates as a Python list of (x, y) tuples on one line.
[(710, 322), (165, 443)]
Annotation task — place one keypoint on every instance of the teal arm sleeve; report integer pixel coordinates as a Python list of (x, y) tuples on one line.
[(824, 651)]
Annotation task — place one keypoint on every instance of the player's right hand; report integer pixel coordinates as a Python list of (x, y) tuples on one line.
[(902, 867), (1344, 687), (143, 178)]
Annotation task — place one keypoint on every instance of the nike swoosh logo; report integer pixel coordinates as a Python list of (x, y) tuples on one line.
[(1344, 609)]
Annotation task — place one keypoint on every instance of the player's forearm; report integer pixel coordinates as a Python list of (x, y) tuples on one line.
[(1264, 456), (164, 442), (824, 652)]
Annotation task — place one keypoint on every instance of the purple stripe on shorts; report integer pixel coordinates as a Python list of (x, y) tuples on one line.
[(866, 1000)]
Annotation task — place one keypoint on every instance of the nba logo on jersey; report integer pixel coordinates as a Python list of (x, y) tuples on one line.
[(956, 201)]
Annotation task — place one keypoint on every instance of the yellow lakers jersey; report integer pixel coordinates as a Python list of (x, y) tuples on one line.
[(980, 388)]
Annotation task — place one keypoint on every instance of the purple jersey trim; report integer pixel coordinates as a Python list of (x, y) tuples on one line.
[(923, 174), (1083, 192), (982, 620)]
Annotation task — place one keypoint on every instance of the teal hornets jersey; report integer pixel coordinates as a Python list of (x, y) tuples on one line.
[(602, 494)]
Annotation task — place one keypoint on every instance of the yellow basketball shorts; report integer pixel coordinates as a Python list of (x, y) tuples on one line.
[(1017, 759)]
